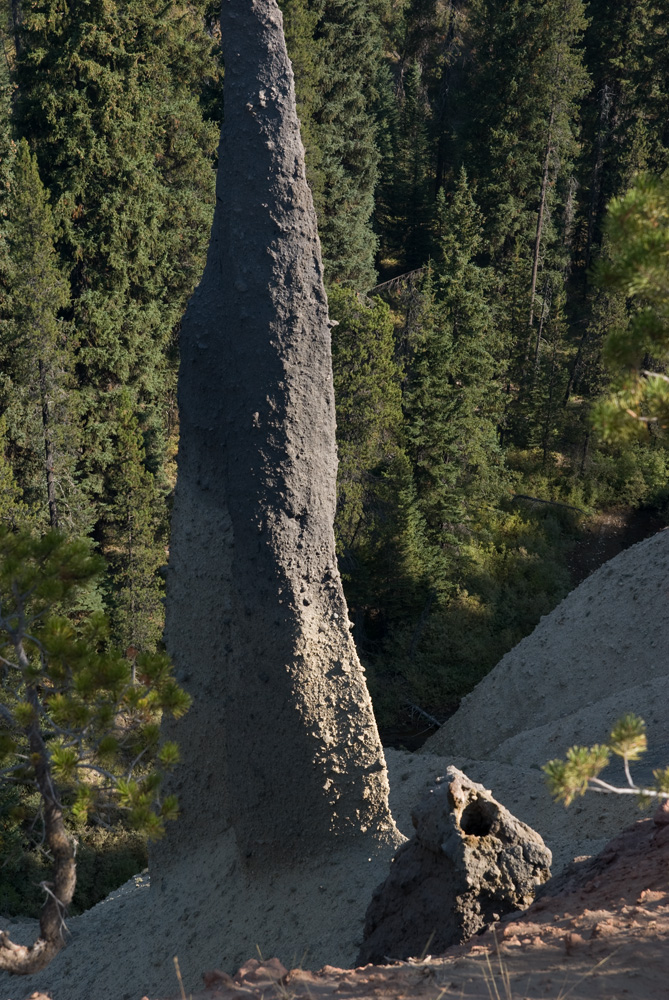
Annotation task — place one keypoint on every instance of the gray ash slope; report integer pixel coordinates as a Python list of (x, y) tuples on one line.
[(610, 635), (599, 654)]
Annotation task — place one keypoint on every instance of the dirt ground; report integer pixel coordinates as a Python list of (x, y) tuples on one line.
[(600, 932)]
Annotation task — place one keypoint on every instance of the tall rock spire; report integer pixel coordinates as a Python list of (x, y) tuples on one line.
[(281, 742)]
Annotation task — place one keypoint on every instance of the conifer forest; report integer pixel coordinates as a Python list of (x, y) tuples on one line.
[(462, 156)]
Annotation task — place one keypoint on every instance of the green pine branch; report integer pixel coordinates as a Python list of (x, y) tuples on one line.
[(80, 720), (580, 771)]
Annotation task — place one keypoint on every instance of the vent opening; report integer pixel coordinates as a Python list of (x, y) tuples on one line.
[(475, 820)]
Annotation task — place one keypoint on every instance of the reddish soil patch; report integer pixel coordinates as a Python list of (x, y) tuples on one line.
[(598, 932)]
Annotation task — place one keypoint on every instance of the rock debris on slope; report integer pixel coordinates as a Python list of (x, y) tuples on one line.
[(469, 863), (141, 930), (601, 933)]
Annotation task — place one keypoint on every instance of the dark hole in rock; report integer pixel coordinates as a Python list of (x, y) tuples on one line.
[(475, 820)]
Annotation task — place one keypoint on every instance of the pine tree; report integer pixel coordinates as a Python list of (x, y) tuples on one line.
[(626, 114), (412, 174), (13, 509), (369, 409), (520, 143), (348, 35), (63, 696), (453, 398), (429, 33), (386, 110), (522, 93), (638, 349), (36, 350), (107, 98), (134, 534), (335, 47)]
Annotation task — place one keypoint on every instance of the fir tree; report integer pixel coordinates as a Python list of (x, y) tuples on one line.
[(522, 94), (107, 98), (335, 47), (369, 408), (521, 142), (349, 39), (452, 401), (626, 114), (412, 174), (36, 346), (134, 536), (13, 509)]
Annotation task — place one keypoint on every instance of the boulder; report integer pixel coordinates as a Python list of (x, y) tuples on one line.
[(469, 862)]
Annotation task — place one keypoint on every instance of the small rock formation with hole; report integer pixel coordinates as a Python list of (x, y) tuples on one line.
[(469, 863)]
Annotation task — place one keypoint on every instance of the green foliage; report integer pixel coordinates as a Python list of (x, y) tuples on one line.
[(134, 532), (105, 860), (522, 95), (36, 355), (452, 399), (107, 212), (13, 510), (628, 737), (638, 264), (369, 415), (335, 48), (505, 572), (625, 114), (571, 777), (349, 44), (300, 19), (108, 100), (91, 714), (580, 771), (409, 185), (473, 381)]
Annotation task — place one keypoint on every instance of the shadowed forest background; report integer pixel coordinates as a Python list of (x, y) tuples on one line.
[(461, 157)]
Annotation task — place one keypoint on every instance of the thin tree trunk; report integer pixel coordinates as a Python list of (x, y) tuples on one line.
[(540, 216), (47, 433), (549, 405), (22, 959), (597, 168), (584, 456), (541, 325), (16, 25), (574, 368)]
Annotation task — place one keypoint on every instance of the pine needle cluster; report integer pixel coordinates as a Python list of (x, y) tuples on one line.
[(95, 710), (580, 771)]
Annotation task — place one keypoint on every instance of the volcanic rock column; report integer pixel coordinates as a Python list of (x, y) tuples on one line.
[(281, 742)]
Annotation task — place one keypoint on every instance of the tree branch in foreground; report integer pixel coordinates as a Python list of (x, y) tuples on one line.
[(579, 772), (73, 706)]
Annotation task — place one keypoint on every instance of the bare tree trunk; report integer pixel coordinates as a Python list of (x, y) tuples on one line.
[(540, 220), (281, 742), (16, 24), (545, 305), (549, 404), (48, 447), (573, 372), (22, 959), (605, 100)]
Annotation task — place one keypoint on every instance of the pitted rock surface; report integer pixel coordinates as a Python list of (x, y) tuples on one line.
[(469, 863)]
